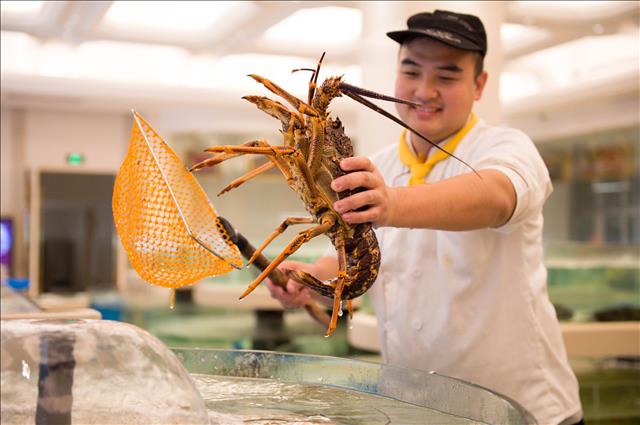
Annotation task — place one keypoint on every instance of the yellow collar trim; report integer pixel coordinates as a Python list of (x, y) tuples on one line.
[(418, 166)]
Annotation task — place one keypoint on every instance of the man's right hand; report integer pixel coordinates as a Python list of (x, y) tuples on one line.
[(294, 295)]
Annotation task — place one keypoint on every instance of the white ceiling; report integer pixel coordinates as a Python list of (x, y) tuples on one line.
[(240, 27), (173, 50)]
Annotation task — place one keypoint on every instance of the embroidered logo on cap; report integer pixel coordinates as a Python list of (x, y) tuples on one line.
[(461, 22), (442, 34)]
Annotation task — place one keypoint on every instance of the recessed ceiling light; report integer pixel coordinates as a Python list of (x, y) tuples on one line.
[(581, 61), (517, 35), (19, 52), (309, 26), (121, 61), (181, 16), (21, 7), (569, 10)]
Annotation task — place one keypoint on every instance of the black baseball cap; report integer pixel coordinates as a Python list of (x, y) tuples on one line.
[(454, 29)]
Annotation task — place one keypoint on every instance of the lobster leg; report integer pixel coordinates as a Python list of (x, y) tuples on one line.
[(300, 106), (316, 146), (260, 150), (337, 307), (248, 176), (278, 231), (277, 110), (217, 159), (295, 134), (296, 161), (214, 160), (276, 160), (342, 274), (308, 280), (277, 153), (332, 288), (305, 236)]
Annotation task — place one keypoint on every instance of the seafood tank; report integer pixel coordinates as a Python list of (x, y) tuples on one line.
[(107, 372)]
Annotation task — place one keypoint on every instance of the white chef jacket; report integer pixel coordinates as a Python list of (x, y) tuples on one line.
[(474, 304)]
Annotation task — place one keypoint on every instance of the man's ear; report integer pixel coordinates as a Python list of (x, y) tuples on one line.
[(481, 81)]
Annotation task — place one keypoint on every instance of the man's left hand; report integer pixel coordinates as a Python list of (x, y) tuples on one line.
[(377, 197)]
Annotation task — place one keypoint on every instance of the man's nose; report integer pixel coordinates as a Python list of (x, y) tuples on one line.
[(426, 90)]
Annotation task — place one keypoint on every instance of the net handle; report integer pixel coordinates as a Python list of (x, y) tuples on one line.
[(276, 276)]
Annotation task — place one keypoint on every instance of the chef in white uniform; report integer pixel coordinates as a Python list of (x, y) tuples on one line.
[(462, 285)]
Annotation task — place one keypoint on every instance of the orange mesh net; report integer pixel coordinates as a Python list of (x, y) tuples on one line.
[(165, 221)]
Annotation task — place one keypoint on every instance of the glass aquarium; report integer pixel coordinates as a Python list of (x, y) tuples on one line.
[(594, 283), (92, 372), (100, 372)]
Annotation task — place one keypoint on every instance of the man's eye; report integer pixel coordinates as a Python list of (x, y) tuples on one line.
[(445, 78), (410, 73)]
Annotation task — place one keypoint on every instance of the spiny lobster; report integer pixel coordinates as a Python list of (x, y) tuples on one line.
[(314, 144)]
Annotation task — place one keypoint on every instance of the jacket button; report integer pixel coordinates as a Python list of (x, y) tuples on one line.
[(416, 324)]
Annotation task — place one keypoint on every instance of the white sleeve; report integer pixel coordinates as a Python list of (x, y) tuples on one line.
[(514, 154)]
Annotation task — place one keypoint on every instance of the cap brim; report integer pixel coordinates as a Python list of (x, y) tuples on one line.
[(453, 40)]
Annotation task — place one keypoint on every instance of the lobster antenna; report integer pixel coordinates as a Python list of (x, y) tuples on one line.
[(381, 111), (314, 79), (368, 93), (315, 76)]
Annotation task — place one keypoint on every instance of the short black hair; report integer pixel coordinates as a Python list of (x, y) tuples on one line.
[(479, 65)]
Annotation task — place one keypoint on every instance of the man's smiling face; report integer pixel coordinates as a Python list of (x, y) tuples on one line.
[(443, 79)]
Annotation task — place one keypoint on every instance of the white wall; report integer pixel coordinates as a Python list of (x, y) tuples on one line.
[(51, 135), (8, 168), (13, 182), (41, 139)]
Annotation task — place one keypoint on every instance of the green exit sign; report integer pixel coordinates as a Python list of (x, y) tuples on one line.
[(75, 158)]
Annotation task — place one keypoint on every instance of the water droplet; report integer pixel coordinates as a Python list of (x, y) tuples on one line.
[(172, 299), (26, 370), (340, 310)]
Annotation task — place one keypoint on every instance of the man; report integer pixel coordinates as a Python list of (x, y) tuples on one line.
[(462, 285)]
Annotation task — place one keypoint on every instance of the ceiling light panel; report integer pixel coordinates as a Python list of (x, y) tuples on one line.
[(570, 11), (516, 85), (587, 59), (232, 70), (176, 16), (158, 65), (515, 36), (21, 7), (309, 26), (118, 61), (19, 52)]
